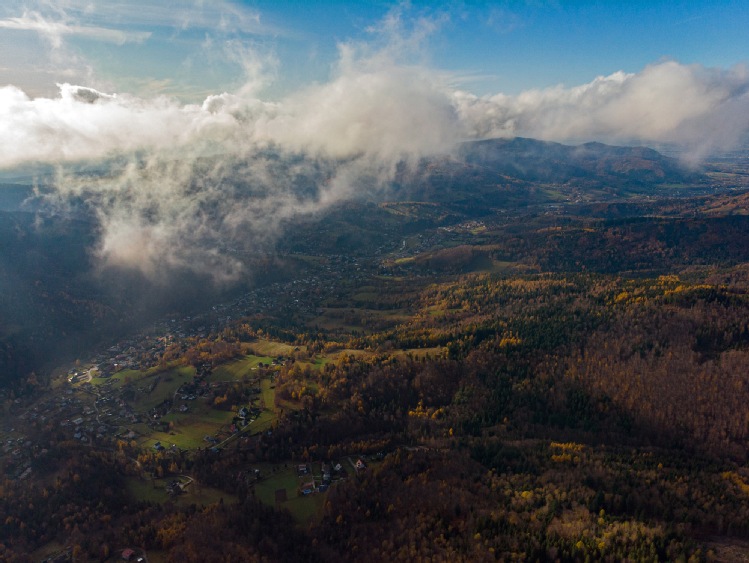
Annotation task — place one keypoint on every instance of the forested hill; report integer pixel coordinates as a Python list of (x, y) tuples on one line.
[(542, 161)]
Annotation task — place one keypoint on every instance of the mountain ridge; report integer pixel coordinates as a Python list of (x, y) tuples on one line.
[(546, 161)]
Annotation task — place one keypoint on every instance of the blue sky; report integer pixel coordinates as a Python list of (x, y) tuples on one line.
[(193, 49)]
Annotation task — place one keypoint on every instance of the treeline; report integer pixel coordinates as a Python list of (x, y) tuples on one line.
[(74, 503), (445, 507)]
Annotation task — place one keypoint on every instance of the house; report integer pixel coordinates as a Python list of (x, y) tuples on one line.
[(360, 465), (128, 554)]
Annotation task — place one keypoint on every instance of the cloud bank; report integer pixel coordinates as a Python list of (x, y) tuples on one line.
[(385, 113), (700, 108)]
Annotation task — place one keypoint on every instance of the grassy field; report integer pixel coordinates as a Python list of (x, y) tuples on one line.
[(307, 509), (502, 267), (167, 384), (131, 376), (268, 394), (145, 490), (189, 429), (285, 479), (238, 369), (434, 352), (269, 415), (357, 318), (302, 508), (367, 294), (269, 348), (320, 361)]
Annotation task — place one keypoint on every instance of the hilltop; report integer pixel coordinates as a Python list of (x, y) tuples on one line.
[(593, 163)]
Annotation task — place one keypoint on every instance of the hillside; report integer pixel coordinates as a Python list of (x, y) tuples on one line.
[(557, 384), (505, 174), (589, 163), (506, 369), (57, 301)]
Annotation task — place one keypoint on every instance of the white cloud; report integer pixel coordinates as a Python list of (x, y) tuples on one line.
[(215, 40), (666, 101), (389, 114), (70, 128), (55, 30), (221, 15), (384, 112)]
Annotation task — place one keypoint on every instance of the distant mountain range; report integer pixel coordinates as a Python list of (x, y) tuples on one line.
[(541, 161), (507, 173)]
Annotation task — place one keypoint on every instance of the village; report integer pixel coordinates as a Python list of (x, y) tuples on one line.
[(132, 400), (127, 393), (156, 415), (156, 419)]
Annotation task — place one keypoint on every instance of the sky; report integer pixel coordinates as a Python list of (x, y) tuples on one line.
[(514, 58), (349, 91), (627, 72), (193, 49)]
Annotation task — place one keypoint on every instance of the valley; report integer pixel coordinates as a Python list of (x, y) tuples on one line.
[(522, 367)]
